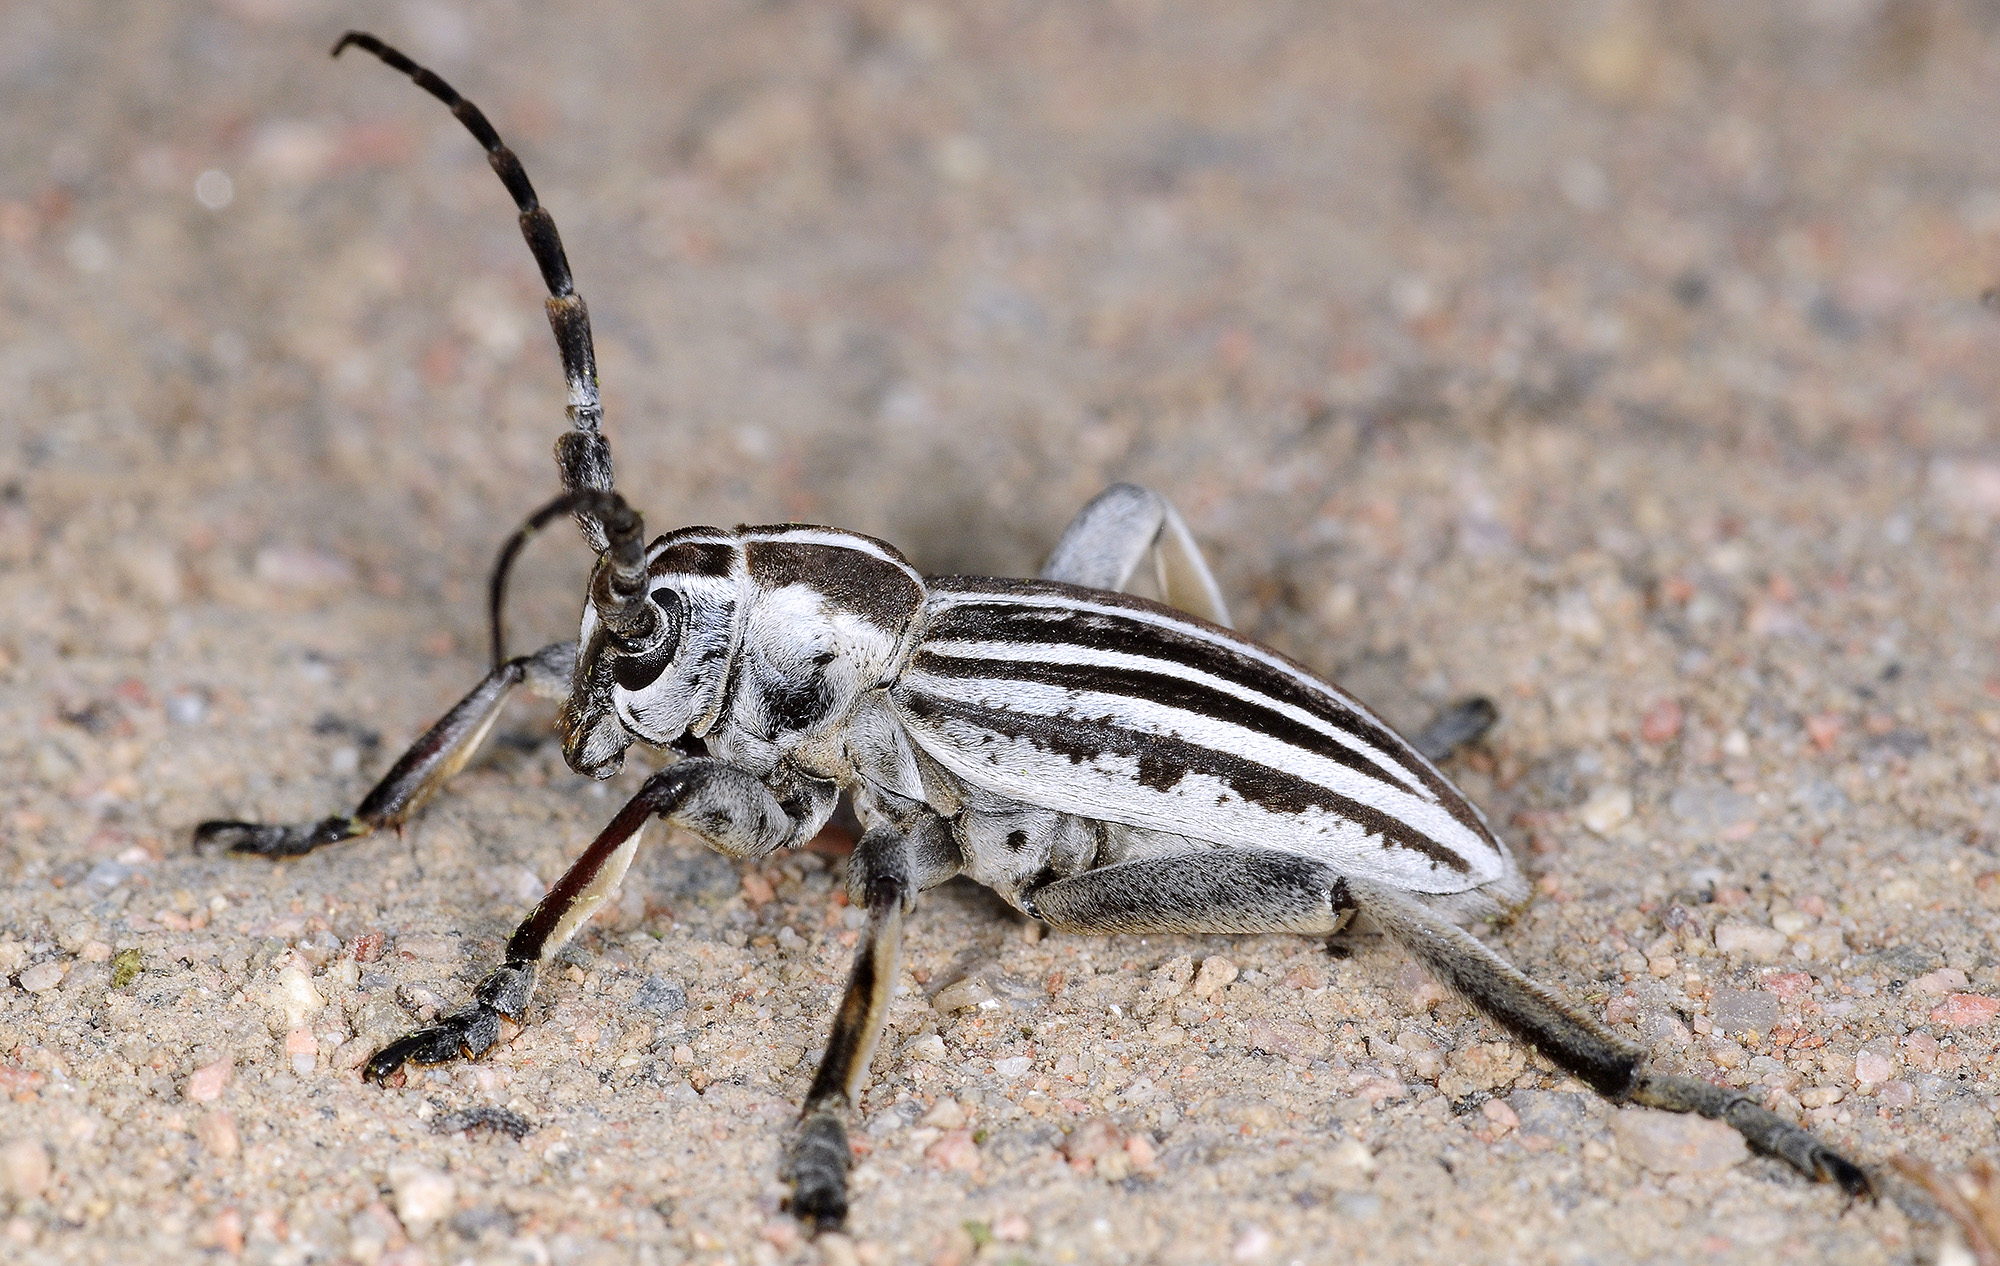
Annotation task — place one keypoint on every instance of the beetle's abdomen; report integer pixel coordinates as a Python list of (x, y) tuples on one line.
[(1122, 710)]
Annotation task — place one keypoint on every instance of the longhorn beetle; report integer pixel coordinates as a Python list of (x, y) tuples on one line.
[(1103, 762)]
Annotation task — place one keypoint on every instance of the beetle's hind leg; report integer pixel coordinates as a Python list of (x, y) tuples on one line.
[(1232, 890), (890, 865), (1107, 540), (428, 765)]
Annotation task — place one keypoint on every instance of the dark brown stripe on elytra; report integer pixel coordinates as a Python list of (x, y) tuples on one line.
[(1161, 688), (1164, 760), (701, 557), (1001, 619), (878, 591)]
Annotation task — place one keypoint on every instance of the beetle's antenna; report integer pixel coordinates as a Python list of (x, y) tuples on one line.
[(496, 583), (620, 594), (582, 453)]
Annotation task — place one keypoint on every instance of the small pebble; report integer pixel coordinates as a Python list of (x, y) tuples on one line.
[(95, 952), (1757, 943), (1288, 1038), (1662, 721), (1821, 1096), (1254, 1245), (226, 1232), (1938, 983), (302, 1050), (1012, 1066), (205, 1084), (24, 1168), (42, 977), (1010, 1228), (1676, 1143), (1503, 1117), (955, 1151), (1607, 809), (1170, 978), (1872, 1068), (294, 996), (1743, 1010), (1091, 1140), (1216, 972), (965, 995), (423, 1195), (1352, 1153), (835, 1249), (217, 1132), (929, 1048), (1960, 1010), (945, 1114)]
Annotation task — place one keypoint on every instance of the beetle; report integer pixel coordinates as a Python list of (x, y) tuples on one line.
[(1104, 762)]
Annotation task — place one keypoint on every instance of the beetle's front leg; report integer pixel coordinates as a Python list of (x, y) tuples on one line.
[(890, 865), (431, 761), (729, 807)]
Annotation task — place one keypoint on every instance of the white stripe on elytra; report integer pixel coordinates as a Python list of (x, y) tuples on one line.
[(1146, 717), (1167, 619), (806, 534), (1067, 653)]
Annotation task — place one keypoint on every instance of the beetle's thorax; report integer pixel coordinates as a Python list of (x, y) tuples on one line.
[(773, 634)]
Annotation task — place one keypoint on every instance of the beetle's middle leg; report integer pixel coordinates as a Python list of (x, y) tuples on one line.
[(890, 865), (428, 765), (1232, 890), (730, 808), (1106, 541)]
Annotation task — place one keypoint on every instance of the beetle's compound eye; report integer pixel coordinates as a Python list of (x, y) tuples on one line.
[(636, 667)]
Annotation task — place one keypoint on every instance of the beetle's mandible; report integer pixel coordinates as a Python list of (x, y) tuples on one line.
[(1105, 763)]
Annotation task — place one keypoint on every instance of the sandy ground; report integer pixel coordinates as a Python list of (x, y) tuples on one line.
[(1624, 362)]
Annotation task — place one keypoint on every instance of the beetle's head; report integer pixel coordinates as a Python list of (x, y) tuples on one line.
[(651, 667)]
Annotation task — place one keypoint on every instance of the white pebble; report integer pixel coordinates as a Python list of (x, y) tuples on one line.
[(1674, 1143), (1755, 942), (423, 1195), (42, 977), (294, 996), (1216, 971), (24, 1168), (1607, 809), (966, 995)]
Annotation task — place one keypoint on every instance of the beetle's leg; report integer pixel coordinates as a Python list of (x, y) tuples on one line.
[(431, 761), (890, 865), (1104, 543), (1240, 891), (1454, 726), (727, 806)]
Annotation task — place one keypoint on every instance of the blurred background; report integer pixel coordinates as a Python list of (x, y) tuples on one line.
[(1624, 361)]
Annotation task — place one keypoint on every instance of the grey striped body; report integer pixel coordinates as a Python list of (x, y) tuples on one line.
[(1057, 729)]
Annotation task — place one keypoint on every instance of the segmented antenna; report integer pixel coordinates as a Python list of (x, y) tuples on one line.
[(582, 453), (624, 607)]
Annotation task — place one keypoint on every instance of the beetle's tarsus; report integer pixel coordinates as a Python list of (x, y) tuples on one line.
[(1765, 1131), (818, 1172), (268, 840), (1454, 726), (466, 1034)]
